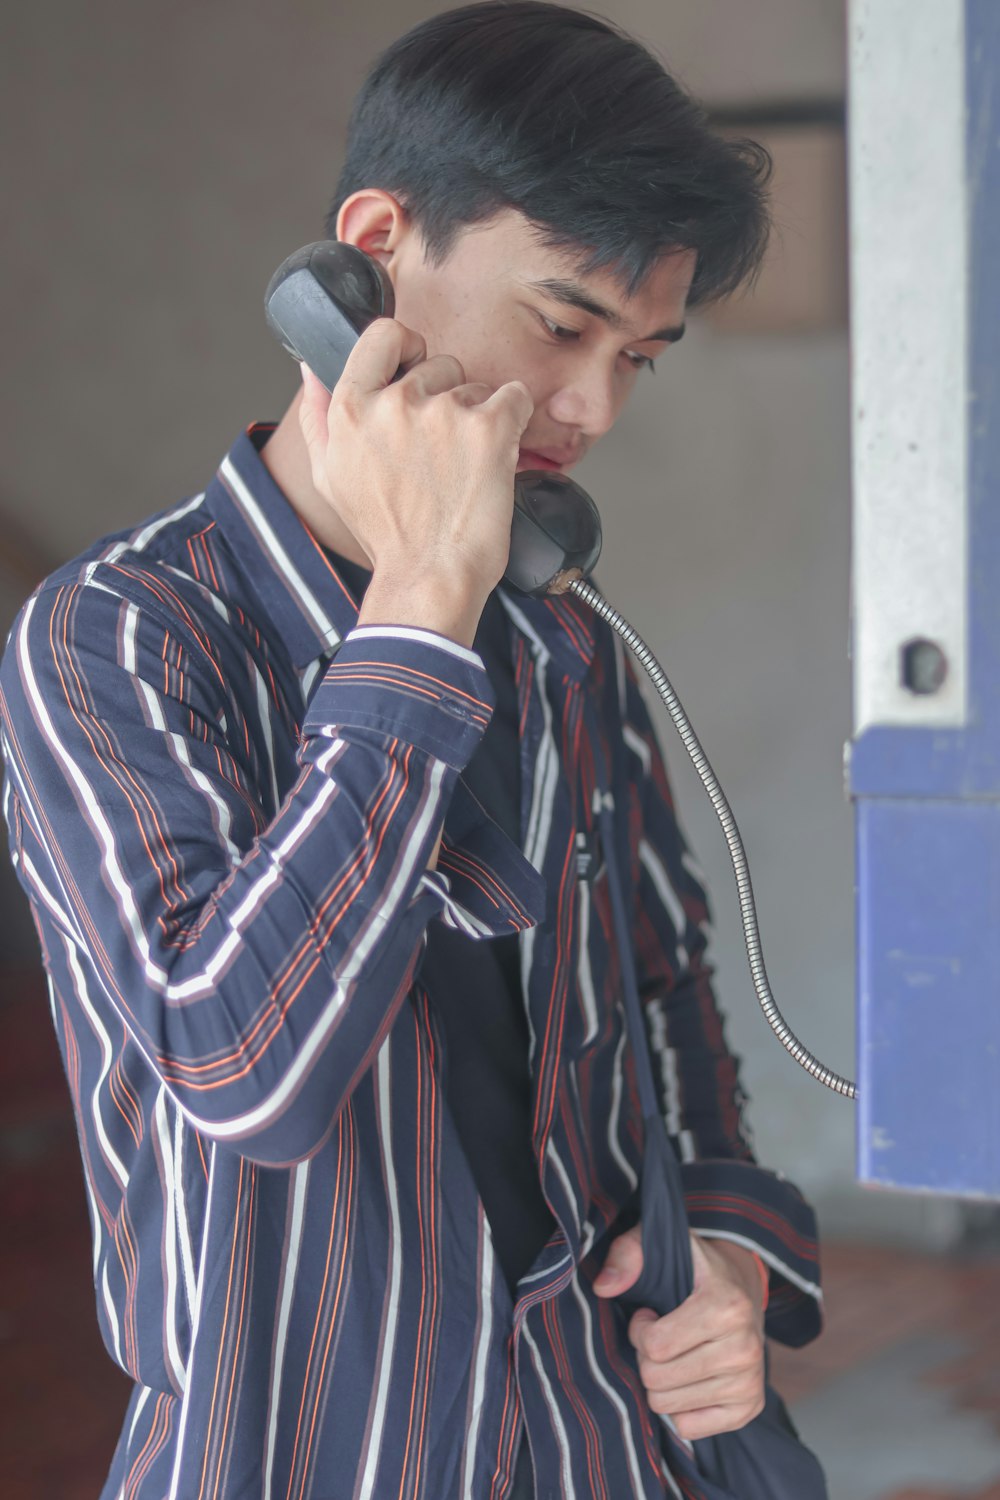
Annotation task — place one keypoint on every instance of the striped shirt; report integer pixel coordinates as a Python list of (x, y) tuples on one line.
[(222, 798)]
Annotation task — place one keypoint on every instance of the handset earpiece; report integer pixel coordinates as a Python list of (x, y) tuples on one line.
[(320, 300)]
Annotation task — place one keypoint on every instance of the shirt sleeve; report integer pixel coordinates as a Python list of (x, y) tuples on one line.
[(257, 954), (727, 1193)]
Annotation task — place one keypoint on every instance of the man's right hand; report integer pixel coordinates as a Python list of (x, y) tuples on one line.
[(421, 471)]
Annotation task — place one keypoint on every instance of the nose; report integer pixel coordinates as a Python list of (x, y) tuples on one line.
[(587, 401)]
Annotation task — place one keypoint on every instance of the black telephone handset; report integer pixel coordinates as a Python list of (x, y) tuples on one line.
[(320, 300)]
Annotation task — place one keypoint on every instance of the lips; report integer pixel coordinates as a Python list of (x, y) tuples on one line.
[(553, 458)]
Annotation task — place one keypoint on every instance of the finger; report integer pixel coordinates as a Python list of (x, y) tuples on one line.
[(313, 410), (736, 1393), (713, 1420), (705, 1317), (382, 348), (315, 396), (515, 401), (735, 1359), (472, 393), (666, 1339), (440, 373), (623, 1263), (638, 1323)]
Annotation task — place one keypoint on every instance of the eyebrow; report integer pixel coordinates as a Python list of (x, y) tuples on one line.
[(572, 294)]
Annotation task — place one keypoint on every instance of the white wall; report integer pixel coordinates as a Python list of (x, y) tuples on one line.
[(168, 156)]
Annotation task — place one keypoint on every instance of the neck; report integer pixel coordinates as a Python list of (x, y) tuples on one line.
[(286, 459)]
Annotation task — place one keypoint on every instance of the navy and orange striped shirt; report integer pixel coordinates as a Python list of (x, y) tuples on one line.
[(222, 798)]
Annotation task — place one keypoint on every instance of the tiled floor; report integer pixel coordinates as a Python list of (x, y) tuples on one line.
[(900, 1397)]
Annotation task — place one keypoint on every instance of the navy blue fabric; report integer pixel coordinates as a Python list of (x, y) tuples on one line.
[(765, 1460), (524, 1479), (476, 991)]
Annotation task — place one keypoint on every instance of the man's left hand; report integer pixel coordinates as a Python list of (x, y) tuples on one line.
[(702, 1364)]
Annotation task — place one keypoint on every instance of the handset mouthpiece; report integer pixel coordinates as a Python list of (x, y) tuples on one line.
[(555, 533)]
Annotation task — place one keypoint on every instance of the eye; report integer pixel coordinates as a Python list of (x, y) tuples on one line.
[(557, 331), (569, 335)]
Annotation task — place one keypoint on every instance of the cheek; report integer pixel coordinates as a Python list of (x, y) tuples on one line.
[(422, 304), (493, 353), (491, 344), (624, 387)]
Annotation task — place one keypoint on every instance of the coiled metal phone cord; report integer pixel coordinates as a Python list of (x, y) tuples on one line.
[(587, 592)]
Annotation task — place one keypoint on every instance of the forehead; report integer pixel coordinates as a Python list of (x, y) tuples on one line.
[(510, 249)]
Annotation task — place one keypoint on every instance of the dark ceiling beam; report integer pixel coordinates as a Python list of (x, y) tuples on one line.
[(778, 114)]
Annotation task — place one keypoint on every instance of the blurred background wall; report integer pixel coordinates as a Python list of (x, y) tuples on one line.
[(163, 158)]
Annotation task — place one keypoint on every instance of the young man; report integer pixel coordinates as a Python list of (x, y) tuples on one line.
[(325, 914)]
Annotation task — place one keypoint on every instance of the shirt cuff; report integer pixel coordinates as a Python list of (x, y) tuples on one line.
[(745, 1203), (413, 684)]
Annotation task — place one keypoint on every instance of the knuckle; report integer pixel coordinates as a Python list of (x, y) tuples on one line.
[(449, 366), (745, 1351), (379, 334), (735, 1312), (342, 403), (734, 1299), (372, 333), (404, 393), (480, 421), (642, 1338), (344, 410), (658, 1346), (410, 336), (745, 1303)]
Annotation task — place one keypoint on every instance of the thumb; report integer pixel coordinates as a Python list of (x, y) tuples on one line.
[(623, 1265), (313, 422), (315, 397)]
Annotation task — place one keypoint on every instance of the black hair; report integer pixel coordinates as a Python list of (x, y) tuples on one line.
[(558, 114)]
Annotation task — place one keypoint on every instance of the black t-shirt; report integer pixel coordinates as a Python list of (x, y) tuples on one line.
[(475, 988)]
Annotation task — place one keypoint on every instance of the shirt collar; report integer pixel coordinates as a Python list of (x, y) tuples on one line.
[(560, 627), (308, 601)]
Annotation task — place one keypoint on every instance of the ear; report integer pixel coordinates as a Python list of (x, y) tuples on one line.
[(375, 221)]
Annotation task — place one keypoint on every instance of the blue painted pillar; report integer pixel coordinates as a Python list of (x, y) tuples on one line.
[(925, 757)]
